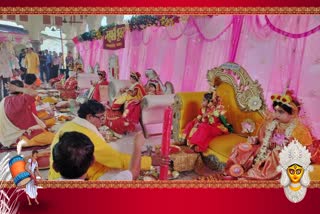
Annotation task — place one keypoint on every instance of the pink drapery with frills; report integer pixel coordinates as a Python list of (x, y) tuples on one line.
[(273, 49)]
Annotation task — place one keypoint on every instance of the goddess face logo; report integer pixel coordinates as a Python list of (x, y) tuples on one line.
[(295, 173), (295, 167)]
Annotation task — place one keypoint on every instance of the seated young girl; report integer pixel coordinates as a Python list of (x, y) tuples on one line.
[(102, 81), (153, 88), (153, 77), (125, 110), (68, 87), (55, 80), (207, 125), (258, 158)]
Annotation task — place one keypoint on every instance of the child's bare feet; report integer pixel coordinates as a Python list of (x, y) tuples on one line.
[(37, 202)]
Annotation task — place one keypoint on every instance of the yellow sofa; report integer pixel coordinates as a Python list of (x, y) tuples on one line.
[(242, 98)]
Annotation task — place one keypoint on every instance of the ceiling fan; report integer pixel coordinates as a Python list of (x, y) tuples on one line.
[(72, 20)]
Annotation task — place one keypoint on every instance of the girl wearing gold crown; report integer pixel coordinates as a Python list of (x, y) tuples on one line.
[(130, 102), (258, 158)]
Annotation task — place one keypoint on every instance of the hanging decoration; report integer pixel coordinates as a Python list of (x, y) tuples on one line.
[(114, 38), (135, 23)]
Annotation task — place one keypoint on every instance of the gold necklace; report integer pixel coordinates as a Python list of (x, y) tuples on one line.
[(295, 188)]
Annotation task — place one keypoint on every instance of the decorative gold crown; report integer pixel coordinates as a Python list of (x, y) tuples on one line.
[(135, 75), (103, 73), (285, 99)]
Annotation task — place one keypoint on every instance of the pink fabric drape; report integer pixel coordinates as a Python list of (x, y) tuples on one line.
[(236, 32), (273, 49)]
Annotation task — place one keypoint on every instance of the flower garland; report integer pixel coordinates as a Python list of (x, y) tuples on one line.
[(135, 23), (266, 140)]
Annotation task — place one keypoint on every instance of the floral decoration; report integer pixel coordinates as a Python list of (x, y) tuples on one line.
[(279, 139), (135, 23), (248, 126), (254, 103)]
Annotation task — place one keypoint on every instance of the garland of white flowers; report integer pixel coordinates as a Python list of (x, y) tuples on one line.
[(266, 140)]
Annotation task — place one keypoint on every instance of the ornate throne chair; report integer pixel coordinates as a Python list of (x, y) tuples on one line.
[(242, 98)]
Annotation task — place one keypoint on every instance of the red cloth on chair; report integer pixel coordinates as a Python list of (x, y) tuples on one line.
[(96, 92)]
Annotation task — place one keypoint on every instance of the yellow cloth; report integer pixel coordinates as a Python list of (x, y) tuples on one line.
[(302, 134), (190, 105), (44, 116), (315, 174), (32, 63), (50, 100), (233, 113), (221, 146), (120, 100), (45, 138), (105, 156)]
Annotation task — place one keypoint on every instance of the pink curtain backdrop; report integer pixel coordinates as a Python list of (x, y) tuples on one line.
[(273, 49)]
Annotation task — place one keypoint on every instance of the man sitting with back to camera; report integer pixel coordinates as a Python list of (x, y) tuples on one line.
[(73, 155)]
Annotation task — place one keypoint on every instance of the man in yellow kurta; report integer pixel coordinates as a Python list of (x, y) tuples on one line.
[(32, 62), (91, 116)]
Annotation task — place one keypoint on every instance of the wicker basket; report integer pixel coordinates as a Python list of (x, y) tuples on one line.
[(184, 161)]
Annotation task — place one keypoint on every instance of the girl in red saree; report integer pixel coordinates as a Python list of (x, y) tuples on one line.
[(55, 80), (258, 158), (102, 81), (125, 121), (207, 125), (68, 88)]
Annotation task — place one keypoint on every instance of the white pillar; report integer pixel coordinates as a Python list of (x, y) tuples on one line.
[(117, 19), (94, 22), (34, 27), (36, 45), (70, 46)]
